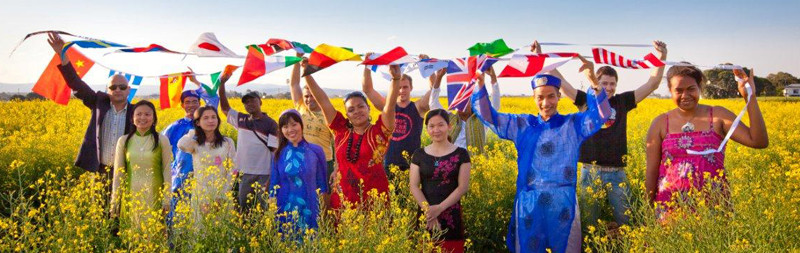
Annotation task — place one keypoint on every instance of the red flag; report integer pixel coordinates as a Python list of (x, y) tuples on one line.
[(254, 65), (51, 83), (530, 65), (396, 56)]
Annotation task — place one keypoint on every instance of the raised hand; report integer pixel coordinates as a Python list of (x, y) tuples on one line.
[(661, 48), (742, 79), (395, 71), (586, 66), (536, 48), (192, 77), (57, 44)]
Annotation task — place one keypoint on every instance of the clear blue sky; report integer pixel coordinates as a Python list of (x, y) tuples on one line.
[(760, 34)]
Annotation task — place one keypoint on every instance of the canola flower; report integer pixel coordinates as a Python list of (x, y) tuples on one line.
[(48, 205)]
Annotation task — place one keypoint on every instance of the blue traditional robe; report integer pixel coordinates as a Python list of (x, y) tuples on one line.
[(544, 205)]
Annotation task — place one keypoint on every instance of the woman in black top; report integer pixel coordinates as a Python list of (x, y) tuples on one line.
[(442, 169)]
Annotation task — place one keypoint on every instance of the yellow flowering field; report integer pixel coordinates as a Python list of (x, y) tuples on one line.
[(48, 205)]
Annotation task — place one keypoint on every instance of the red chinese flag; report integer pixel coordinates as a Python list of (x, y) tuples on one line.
[(51, 83)]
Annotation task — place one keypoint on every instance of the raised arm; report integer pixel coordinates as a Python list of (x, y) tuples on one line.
[(319, 95), (505, 125), (81, 89), (369, 90), (653, 149), (294, 84), (423, 104), (224, 106), (754, 136), (655, 76), (495, 89), (388, 109), (434, 102), (210, 99)]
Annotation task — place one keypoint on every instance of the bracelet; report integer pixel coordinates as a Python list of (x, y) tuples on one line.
[(395, 79)]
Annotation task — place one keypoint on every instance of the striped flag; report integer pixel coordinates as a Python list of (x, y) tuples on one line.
[(90, 44), (610, 58), (395, 56), (151, 48), (257, 64), (326, 55), (133, 82), (171, 88), (530, 65)]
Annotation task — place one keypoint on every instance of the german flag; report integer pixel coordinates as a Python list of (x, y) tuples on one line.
[(326, 55)]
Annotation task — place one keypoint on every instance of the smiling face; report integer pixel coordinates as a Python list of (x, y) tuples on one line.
[(292, 130), (357, 111), (309, 100), (685, 92), (253, 106), (438, 128), (143, 117), (209, 121), (546, 98), (609, 83), (118, 89), (190, 104)]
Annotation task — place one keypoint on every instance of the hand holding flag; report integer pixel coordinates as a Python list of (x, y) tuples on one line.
[(57, 44)]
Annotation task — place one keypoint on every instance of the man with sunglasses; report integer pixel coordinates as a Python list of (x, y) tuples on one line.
[(112, 116)]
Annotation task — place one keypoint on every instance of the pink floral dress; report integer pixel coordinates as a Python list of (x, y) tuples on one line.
[(679, 172)]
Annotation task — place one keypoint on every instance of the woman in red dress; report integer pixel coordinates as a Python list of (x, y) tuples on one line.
[(359, 145)]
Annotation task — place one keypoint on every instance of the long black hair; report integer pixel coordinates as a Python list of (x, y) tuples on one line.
[(198, 131), (283, 121), (152, 127)]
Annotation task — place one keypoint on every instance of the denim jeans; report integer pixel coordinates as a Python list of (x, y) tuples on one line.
[(616, 196)]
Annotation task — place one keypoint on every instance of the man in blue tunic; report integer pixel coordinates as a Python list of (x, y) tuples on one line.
[(544, 215)]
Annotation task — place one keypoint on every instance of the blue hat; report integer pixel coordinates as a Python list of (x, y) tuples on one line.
[(545, 80), (189, 93), (293, 111)]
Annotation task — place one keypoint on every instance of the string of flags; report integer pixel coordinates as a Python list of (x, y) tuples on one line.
[(261, 59)]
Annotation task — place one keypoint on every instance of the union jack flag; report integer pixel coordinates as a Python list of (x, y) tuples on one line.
[(461, 78)]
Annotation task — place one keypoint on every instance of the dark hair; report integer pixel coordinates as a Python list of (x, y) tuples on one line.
[(356, 94), (608, 71), (441, 113), (685, 71), (198, 131), (437, 112), (282, 121), (152, 127)]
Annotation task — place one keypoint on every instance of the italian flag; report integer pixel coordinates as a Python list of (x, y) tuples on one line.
[(258, 64)]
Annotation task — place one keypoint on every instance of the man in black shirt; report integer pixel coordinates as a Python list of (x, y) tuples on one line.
[(602, 154)]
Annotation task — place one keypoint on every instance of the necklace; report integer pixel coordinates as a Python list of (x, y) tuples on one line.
[(350, 156), (688, 127)]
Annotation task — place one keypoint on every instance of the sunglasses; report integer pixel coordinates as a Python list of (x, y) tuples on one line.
[(118, 86)]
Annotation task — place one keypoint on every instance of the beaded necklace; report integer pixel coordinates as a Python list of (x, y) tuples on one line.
[(350, 156)]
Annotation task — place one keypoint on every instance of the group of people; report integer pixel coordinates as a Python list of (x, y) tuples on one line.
[(315, 154)]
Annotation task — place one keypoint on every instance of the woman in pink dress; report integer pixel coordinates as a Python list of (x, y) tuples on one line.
[(671, 170)]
